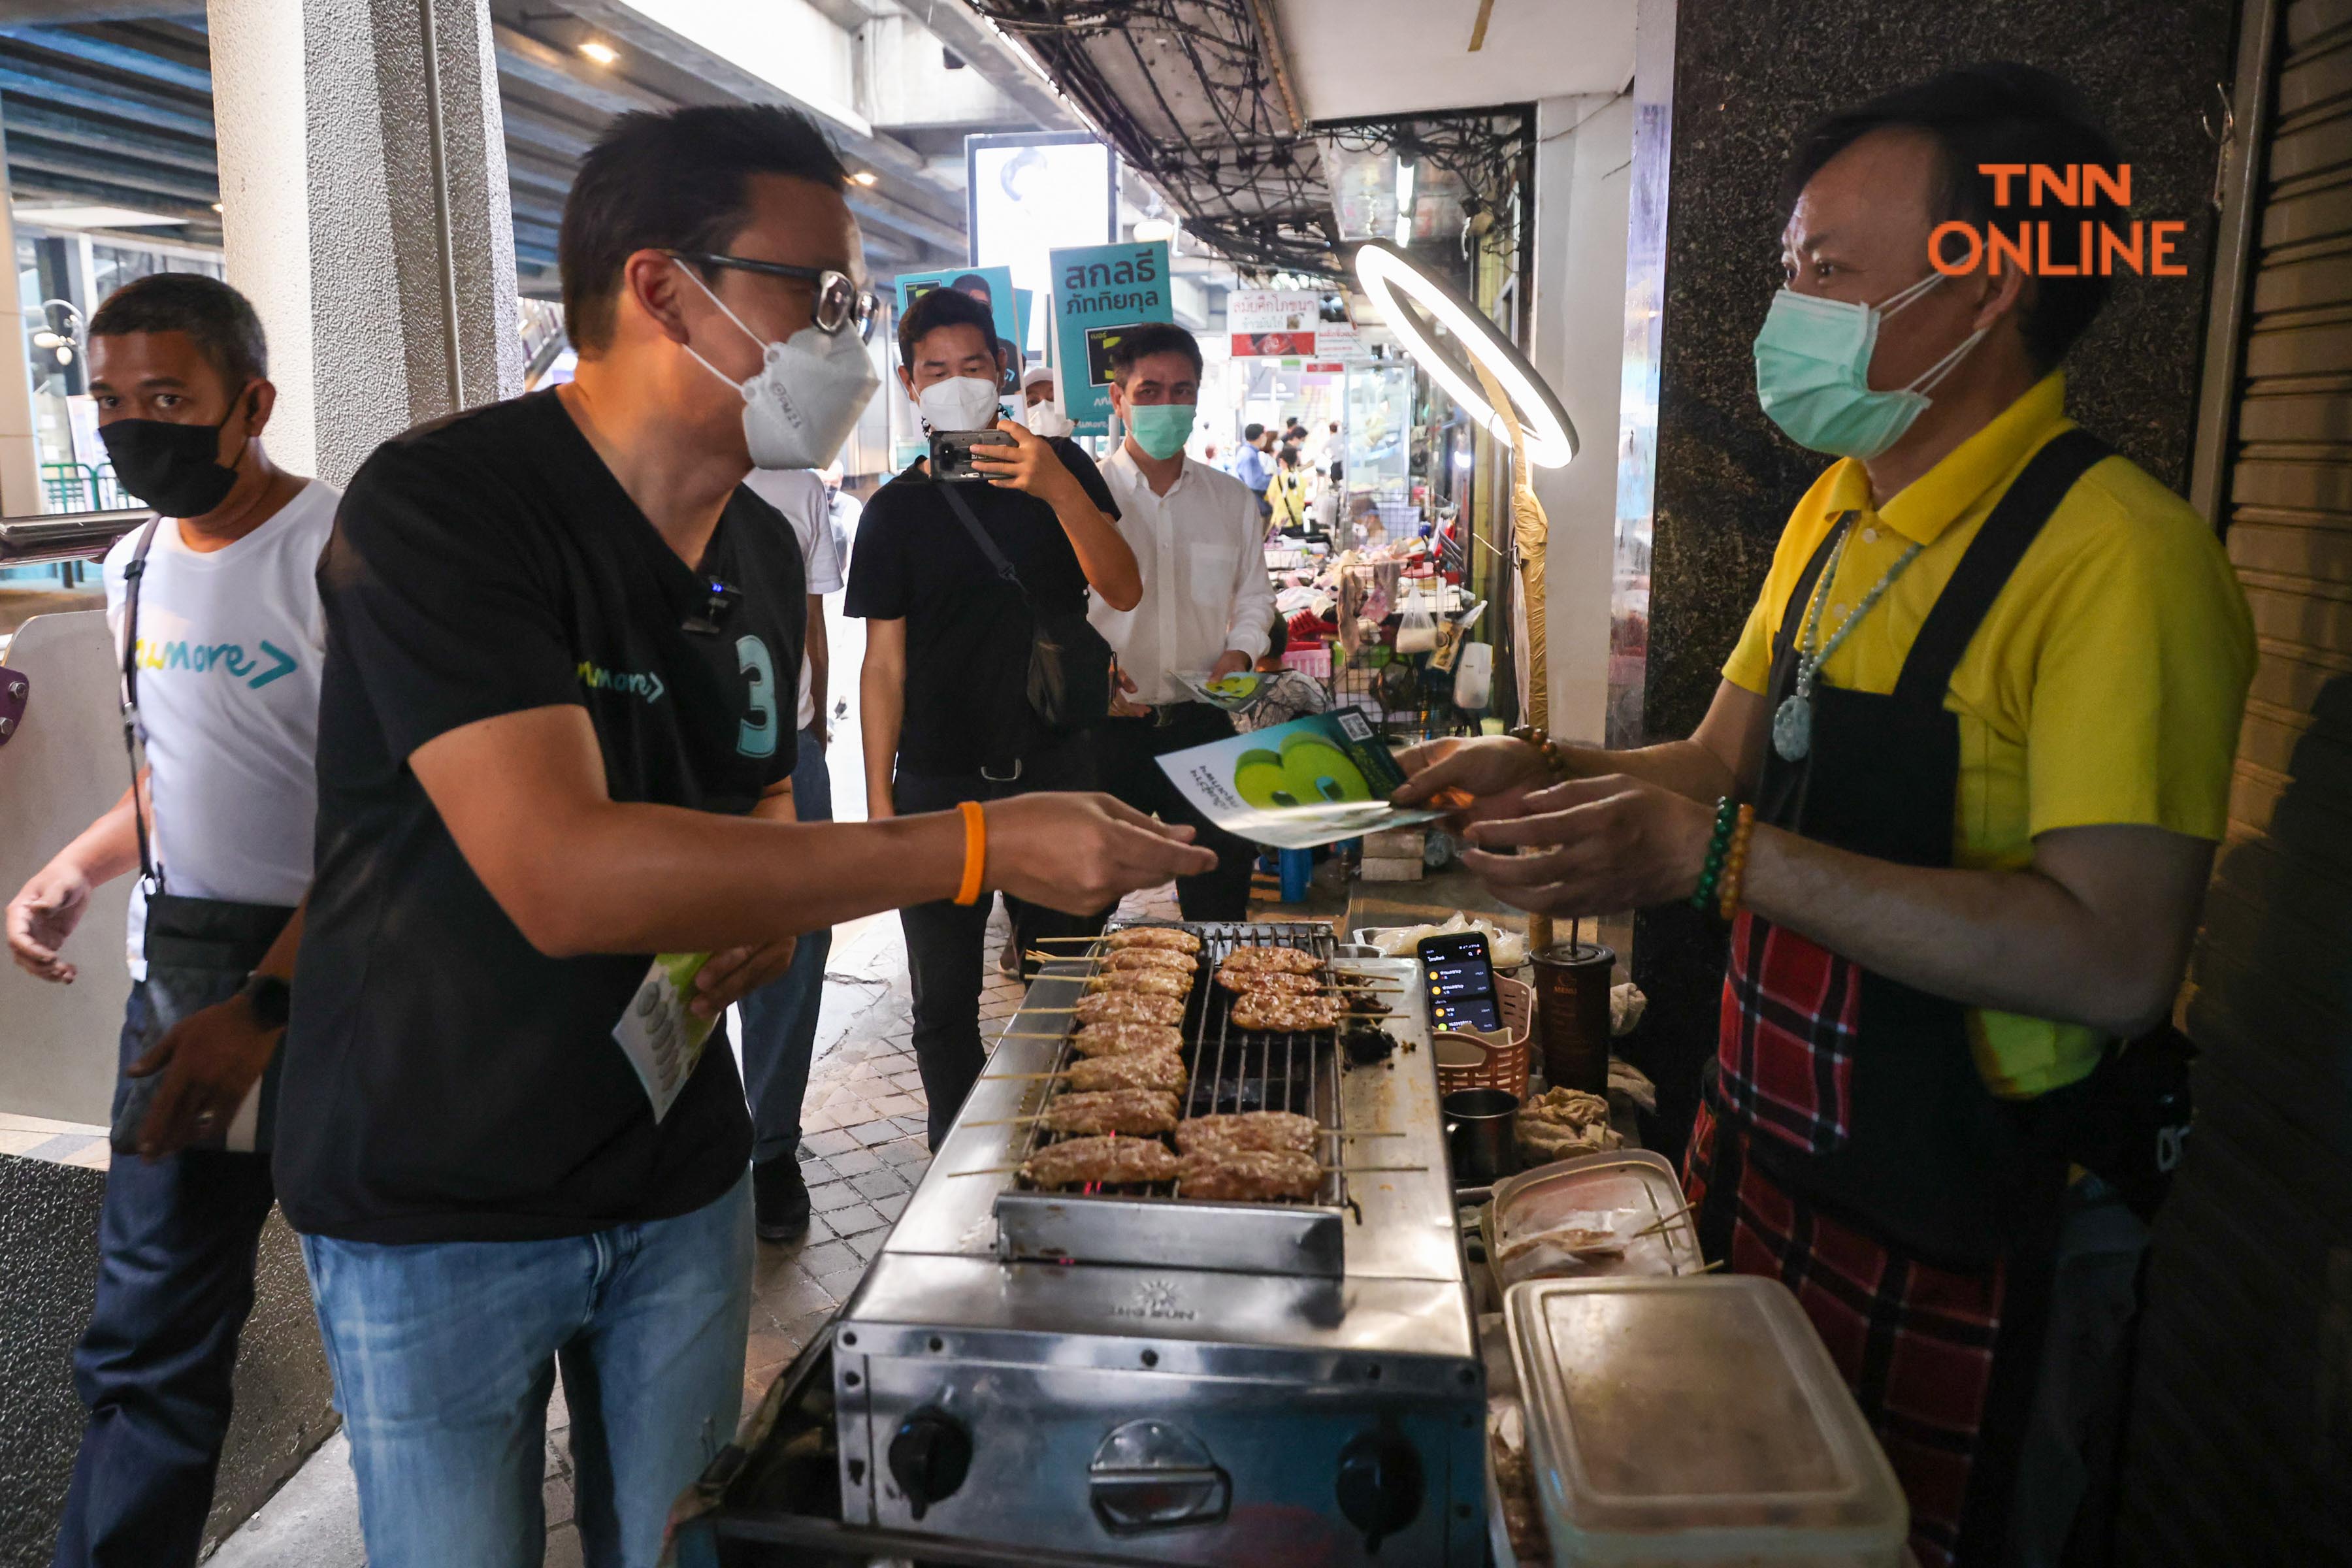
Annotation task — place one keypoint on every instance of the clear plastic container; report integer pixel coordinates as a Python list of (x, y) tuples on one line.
[(1592, 1216), (1697, 1422)]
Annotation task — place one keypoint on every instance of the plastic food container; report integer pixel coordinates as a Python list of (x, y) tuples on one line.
[(1592, 1216), (1696, 1423)]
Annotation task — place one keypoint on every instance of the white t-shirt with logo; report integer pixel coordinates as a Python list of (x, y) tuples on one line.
[(230, 644), (799, 494)]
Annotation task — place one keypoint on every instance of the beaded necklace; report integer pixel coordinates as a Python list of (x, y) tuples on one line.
[(1792, 724)]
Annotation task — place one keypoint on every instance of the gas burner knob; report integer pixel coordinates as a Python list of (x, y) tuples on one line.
[(1379, 1485), (930, 1457)]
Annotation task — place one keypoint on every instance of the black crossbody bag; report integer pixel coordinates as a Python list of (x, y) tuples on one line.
[(1069, 662), (199, 951)]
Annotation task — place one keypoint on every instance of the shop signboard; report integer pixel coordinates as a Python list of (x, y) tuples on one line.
[(1098, 291), (1267, 324), (1335, 334), (992, 287)]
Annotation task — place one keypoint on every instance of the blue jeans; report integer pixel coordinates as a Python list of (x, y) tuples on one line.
[(779, 1018), (176, 1241), (443, 1355)]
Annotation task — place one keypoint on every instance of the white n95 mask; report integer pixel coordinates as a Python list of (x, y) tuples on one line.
[(806, 396), (959, 402), (1048, 419)]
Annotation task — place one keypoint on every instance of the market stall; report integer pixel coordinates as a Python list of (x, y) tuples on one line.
[(1192, 1279)]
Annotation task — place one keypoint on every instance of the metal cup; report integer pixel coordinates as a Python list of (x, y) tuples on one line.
[(1478, 1135)]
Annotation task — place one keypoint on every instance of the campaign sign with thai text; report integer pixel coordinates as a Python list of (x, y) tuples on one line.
[(1098, 290), (992, 287)]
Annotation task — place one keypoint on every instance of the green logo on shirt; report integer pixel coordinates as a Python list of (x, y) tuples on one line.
[(646, 684)]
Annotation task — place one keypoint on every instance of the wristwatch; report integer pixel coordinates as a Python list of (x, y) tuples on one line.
[(268, 998)]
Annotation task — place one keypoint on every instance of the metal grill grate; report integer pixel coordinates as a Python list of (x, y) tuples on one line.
[(1236, 1069)]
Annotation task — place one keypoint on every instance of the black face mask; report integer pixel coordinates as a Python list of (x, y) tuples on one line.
[(172, 468)]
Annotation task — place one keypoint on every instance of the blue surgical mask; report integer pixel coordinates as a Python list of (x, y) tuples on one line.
[(1161, 428), (1812, 373)]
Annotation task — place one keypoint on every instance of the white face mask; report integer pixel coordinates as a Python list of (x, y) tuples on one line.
[(1048, 419), (806, 396), (959, 402)]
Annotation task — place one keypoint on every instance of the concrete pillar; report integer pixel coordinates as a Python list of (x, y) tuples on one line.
[(363, 196), (1579, 333), (20, 463)]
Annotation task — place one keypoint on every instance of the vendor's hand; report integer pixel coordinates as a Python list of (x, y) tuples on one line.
[(1028, 465), (1233, 661), (1120, 708), (1495, 772), (42, 915), (1082, 853), (1594, 846), (726, 977), (210, 1060)]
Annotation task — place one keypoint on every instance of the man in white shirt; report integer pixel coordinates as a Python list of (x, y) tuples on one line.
[(1207, 606), (229, 645), (780, 1017)]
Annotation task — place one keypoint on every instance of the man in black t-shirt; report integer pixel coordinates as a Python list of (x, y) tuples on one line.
[(554, 759), (945, 714)]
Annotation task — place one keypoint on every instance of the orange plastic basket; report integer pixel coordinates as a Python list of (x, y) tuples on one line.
[(1505, 1067)]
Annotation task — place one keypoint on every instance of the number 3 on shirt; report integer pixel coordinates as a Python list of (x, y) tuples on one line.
[(756, 736)]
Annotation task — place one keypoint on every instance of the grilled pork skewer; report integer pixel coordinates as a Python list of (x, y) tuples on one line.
[(1136, 936), (1126, 1007), (1268, 980), (1162, 1070), (1280, 1132), (1147, 982), (1150, 958), (1135, 1112), (1248, 1175), (1275, 1013), (1294, 961), (1116, 1039), (1112, 1162)]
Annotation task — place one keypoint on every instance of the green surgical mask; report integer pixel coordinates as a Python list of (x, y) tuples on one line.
[(1161, 428), (1812, 373)]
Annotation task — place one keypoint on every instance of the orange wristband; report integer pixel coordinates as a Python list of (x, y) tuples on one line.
[(975, 851)]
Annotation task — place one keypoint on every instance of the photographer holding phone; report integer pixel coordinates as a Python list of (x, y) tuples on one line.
[(946, 713)]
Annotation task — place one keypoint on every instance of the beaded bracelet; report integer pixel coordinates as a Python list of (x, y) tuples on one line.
[(1727, 813), (1534, 735), (1735, 864)]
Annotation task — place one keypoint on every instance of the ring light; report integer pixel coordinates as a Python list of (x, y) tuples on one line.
[(1387, 272)]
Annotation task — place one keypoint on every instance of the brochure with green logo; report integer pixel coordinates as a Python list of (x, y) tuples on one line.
[(661, 1038), (1314, 781), (1232, 693)]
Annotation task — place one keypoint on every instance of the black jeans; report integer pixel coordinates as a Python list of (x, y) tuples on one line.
[(1131, 771), (945, 942), (176, 1243)]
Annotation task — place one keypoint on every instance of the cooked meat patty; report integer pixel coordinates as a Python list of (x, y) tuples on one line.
[(1280, 1132), (1113, 1162), (1134, 1111), (1276, 1013), (1296, 960), (1111, 1038), (1152, 936), (1151, 981), (1129, 1069), (1150, 958), (1240, 979), (1131, 1008), (1248, 1175)]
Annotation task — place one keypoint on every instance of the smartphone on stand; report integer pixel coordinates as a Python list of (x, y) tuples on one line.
[(1459, 975)]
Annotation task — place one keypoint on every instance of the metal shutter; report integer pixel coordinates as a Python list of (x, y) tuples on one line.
[(2241, 1439)]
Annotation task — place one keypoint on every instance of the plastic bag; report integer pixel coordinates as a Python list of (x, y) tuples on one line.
[(1416, 629)]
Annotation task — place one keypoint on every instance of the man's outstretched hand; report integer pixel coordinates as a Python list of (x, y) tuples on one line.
[(1080, 854)]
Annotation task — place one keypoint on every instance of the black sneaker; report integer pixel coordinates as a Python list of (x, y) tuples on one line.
[(780, 1200)]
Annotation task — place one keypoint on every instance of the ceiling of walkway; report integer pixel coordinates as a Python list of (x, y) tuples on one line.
[(109, 103)]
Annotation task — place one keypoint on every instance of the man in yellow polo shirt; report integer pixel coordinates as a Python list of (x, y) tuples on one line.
[(1959, 794)]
